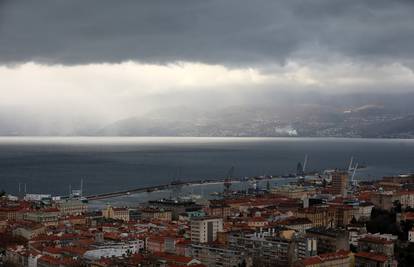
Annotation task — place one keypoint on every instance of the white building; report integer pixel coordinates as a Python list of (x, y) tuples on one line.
[(114, 250), (205, 229), (36, 197), (71, 206), (32, 259), (411, 236), (406, 198)]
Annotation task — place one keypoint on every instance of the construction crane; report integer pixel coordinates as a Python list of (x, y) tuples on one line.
[(351, 162), (227, 181), (305, 162), (176, 185), (353, 182)]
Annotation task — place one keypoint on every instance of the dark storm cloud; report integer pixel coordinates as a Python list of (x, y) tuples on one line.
[(225, 32)]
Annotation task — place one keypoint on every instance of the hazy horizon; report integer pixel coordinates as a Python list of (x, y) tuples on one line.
[(73, 68)]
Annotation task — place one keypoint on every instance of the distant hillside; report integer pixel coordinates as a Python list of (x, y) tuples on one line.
[(306, 115), (302, 120)]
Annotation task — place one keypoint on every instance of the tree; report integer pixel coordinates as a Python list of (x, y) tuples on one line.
[(397, 207), (354, 221), (383, 221)]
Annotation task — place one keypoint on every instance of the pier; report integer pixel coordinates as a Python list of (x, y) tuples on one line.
[(169, 186)]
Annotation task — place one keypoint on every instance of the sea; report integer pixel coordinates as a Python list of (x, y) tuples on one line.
[(53, 165)]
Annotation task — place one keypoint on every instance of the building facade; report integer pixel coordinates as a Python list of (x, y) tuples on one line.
[(205, 229)]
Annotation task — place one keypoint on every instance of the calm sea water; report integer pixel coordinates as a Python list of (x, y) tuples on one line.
[(50, 165)]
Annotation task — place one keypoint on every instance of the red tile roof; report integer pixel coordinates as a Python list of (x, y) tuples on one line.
[(172, 257), (372, 256), (326, 257), (375, 239)]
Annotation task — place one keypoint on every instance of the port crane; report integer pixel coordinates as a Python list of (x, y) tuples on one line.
[(227, 181)]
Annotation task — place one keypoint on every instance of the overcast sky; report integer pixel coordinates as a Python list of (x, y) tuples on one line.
[(115, 59)]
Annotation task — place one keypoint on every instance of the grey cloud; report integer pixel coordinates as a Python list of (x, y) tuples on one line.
[(212, 31)]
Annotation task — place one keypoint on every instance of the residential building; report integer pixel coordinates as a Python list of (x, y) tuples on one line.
[(294, 191), (298, 224), (329, 239), (341, 258), (355, 232), (384, 200), (322, 216), (116, 213), (272, 247), (377, 244), (46, 217), (219, 210), (406, 198), (176, 206), (154, 213), (117, 249), (339, 183), (411, 235), (71, 206), (11, 213), (205, 229), (29, 231), (215, 255), (372, 259)]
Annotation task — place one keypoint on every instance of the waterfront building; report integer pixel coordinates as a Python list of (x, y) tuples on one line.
[(294, 191), (71, 206), (155, 213), (218, 209), (188, 215), (116, 213), (205, 229), (176, 206)]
